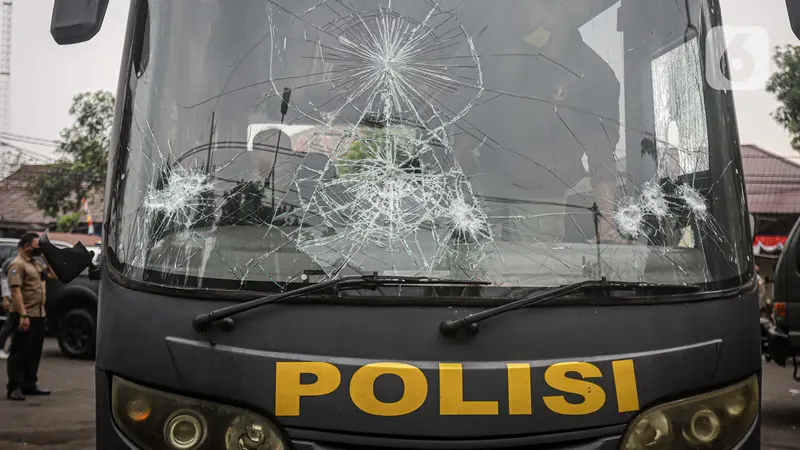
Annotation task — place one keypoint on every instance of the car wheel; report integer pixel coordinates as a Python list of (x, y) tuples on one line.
[(76, 334)]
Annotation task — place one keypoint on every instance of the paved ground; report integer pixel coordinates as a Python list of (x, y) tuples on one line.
[(780, 409), (65, 420)]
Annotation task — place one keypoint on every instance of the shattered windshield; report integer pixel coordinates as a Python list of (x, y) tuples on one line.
[(521, 142)]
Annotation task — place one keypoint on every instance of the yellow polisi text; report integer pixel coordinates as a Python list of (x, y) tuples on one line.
[(576, 378)]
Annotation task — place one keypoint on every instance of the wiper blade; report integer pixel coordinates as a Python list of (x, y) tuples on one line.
[(202, 321), (468, 325)]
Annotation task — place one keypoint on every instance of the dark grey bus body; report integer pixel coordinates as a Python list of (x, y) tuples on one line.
[(678, 349)]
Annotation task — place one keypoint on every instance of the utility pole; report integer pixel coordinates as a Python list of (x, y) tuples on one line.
[(5, 67), (5, 82)]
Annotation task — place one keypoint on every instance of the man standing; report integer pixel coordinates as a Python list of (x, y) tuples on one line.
[(5, 332), (550, 101), (26, 278)]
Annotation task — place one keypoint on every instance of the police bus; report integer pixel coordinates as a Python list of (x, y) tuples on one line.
[(429, 224)]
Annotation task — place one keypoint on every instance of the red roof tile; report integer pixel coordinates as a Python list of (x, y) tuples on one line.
[(74, 238), (772, 182)]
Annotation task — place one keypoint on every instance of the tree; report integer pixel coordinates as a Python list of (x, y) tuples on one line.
[(785, 85), (380, 144), (81, 170), (68, 222)]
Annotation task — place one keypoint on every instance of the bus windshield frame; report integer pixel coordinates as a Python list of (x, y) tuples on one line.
[(259, 148)]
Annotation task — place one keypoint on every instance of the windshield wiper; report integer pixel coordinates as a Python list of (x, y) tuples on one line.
[(468, 325), (201, 322)]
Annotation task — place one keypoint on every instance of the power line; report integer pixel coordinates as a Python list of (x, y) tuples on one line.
[(27, 152), (25, 136), (29, 139)]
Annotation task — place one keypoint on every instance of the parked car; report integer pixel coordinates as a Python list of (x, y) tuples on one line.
[(71, 308)]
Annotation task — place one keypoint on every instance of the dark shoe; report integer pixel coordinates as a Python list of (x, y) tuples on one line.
[(36, 391), (16, 395)]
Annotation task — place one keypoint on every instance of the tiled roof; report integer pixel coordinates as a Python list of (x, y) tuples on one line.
[(17, 209), (772, 182), (74, 238)]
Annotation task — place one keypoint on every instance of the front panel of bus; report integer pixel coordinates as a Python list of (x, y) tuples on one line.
[(508, 147)]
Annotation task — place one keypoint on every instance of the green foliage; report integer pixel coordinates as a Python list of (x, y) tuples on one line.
[(785, 85), (81, 170), (382, 144), (359, 150), (68, 222)]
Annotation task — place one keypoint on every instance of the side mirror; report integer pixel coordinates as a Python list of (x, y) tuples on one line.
[(67, 263), (77, 21), (793, 8)]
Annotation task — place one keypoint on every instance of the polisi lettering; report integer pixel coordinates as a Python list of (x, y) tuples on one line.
[(580, 379)]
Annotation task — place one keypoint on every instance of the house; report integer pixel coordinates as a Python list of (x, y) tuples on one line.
[(18, 212), (89, 241), (772, 184)]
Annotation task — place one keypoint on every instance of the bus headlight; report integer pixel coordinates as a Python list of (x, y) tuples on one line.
[(163, 421), (714, 421)]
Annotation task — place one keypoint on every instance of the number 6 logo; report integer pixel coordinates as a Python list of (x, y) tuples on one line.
[(747, 51)]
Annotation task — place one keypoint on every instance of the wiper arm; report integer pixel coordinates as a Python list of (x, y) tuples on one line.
[(202, 321), (469, 325)]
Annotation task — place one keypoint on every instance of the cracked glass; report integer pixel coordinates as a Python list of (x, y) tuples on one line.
[(526, 143)]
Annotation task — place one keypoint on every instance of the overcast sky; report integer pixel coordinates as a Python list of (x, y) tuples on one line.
[(45, 76)]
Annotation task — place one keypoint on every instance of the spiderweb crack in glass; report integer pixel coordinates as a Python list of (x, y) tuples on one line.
[(387, 64), (695, 201), (393, 187), (654, 201), (181, 198), (630, 214)]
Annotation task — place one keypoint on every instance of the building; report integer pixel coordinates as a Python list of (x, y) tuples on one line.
[(18, 212), (772, 184)]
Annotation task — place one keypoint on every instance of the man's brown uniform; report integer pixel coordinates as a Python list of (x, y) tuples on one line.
[(26, 346), (27, 275)]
